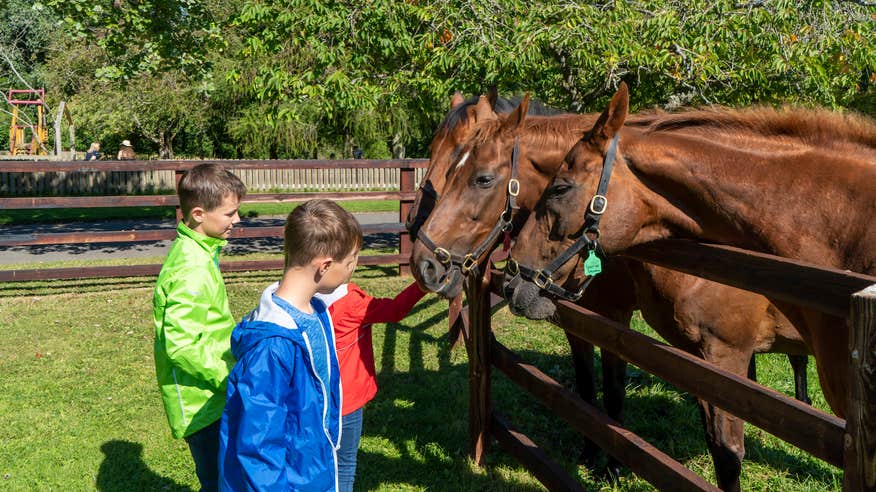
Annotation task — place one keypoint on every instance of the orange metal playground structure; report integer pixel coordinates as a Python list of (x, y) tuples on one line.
[(22, 125)]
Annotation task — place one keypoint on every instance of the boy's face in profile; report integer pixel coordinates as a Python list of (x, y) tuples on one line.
[(219, 221), (338, 272)]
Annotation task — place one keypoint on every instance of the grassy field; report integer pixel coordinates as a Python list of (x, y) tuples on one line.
[(53, 215), (81, 411)]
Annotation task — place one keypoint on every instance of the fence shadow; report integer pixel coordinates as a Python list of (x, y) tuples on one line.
[(654, 410)]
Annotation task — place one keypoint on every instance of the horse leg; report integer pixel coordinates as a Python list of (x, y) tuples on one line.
[(725, 437), (614, 391), (725, 433), (801, 384), (585, 384), (752, 369)]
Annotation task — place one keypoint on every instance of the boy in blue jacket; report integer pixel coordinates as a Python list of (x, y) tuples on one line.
[(281, 425)]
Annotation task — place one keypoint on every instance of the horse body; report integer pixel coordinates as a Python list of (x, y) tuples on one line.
[(684, 309), (798, 184)]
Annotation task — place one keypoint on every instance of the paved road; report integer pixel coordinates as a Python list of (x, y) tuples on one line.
[(61, 252)]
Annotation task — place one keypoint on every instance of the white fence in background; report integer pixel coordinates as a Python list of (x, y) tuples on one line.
[(145, 182)]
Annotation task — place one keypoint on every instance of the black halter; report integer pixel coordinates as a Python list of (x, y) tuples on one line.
[(470, 261), (542, 278)]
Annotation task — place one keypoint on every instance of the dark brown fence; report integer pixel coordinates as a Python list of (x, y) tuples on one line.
[(850, 444), (405, 193)]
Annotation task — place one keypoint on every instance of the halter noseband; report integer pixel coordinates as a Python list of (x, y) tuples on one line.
[(469, 261), (595, 209)]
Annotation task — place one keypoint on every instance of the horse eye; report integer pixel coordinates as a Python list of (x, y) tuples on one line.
[(558, 190), (484, 180)]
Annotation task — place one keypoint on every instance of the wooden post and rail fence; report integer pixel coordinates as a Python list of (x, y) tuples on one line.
[(272, 170), (849, 444)]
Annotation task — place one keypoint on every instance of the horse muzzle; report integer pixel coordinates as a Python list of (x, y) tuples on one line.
[(440, 279), (526, 299)]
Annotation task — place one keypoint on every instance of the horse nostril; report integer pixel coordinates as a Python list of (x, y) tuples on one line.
[(432, 273)]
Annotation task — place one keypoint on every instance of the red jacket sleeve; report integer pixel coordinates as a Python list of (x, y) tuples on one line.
[(386, 310)]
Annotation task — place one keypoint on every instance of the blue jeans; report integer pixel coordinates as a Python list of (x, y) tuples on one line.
[(204, 446), (351, 425)]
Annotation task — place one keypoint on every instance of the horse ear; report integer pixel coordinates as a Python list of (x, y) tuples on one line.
[(456, 100), (483, 110), (493, 96), (516, 118), (612, 119)]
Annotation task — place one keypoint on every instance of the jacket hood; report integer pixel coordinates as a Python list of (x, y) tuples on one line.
[(265, 321)]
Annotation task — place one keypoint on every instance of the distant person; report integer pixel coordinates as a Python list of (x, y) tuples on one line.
[(358, 153), (93, 153), (193, 320), (282, 424), (126, 151)]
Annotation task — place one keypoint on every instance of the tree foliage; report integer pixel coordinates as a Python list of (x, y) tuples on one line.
[(305, 78)]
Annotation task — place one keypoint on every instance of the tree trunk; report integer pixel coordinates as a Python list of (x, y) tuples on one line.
[(165, 146), (398, 147)]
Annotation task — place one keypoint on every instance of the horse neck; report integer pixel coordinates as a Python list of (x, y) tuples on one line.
[(783, 198)]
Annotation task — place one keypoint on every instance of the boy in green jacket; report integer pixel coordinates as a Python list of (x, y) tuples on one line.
[(193, 319)]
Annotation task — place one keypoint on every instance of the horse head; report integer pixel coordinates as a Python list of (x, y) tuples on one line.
[(482, 195), (446, 148), (564, 230)]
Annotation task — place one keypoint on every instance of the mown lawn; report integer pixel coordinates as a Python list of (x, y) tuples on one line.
[(81, 411)]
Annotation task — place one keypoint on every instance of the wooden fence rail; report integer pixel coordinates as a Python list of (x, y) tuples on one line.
[(403, 191), (850, 444), (78, 182)]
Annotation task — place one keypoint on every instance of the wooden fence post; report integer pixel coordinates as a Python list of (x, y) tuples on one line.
[(405, 244), (479, 381), (860, 439), (457, 329)]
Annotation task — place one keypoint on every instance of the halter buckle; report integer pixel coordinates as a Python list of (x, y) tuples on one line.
[(577, 295), (512, 267), (442, 255), (513, 187), (468, 263), (505, 218), (598, 204), (541, 280)]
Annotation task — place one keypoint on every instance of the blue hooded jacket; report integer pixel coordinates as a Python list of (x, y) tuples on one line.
[(282, 422)]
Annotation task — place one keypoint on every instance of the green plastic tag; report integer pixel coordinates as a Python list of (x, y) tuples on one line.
[(592, 265)]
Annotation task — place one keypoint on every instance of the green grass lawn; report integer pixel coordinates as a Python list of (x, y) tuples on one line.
[(54, 215), (81, 411)]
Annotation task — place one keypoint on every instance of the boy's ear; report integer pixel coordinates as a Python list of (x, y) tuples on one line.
[(197, 214), (323, 265)]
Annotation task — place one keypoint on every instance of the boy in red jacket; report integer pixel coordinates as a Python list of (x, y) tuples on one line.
[(353, 312)]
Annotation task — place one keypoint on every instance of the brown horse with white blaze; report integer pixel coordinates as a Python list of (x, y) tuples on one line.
[(794, 183), (447, 147), (476, 197)]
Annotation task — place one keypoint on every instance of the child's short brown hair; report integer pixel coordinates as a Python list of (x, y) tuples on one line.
[(206, 185), (320, 227)]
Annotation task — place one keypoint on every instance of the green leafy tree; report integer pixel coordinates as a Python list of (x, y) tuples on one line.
[(306, 78)]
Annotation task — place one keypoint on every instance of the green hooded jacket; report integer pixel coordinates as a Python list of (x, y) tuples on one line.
[(193, 324)]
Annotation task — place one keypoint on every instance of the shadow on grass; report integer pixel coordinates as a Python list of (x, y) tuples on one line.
[(654, 410), (123, 469), (415, 431)]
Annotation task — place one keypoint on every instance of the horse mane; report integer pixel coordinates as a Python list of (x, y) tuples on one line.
[(816, 127), (541, 131), (459, 114)]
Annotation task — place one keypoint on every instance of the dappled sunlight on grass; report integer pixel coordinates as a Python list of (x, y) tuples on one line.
[(78, 358)]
